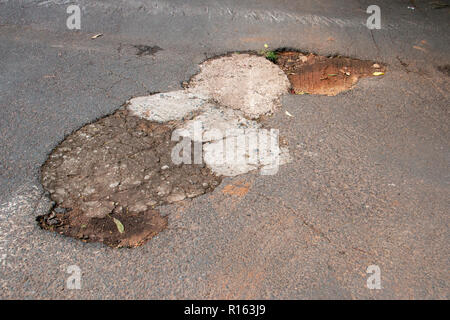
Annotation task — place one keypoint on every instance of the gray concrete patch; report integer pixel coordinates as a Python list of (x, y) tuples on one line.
[(233, 144), (163, 107), (216, 123), (244, 82), (244, 151)]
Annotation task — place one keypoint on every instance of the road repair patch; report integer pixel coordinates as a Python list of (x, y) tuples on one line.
[(108, 179), (118, 167), (243, 81)]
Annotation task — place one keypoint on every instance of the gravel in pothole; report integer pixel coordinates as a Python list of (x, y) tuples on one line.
[(107, 177), (314, 74)]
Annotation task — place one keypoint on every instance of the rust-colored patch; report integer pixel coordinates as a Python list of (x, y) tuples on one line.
[(239, 189), (324, 75)]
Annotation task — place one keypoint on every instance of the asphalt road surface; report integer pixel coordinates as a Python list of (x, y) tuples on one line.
[(368, 184)]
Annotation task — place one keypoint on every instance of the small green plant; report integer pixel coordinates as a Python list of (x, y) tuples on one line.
[(272, 56)]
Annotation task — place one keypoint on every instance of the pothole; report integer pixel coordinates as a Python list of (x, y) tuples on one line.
[(109, 178), (314, 74), (445, 69)]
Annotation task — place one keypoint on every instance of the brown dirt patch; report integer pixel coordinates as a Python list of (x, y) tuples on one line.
[(138, 227), (239, 189), (117, 167), (313, 74)]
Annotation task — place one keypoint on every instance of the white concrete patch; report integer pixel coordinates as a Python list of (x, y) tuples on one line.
[(228, 163), (242, 86), (216, 123), (163, 107), (245, 82), (251, 150)]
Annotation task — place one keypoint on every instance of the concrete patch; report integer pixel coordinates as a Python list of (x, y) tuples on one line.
[(245, 151), (244, 82), (233, 144), (163, 107), (217, 123)]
